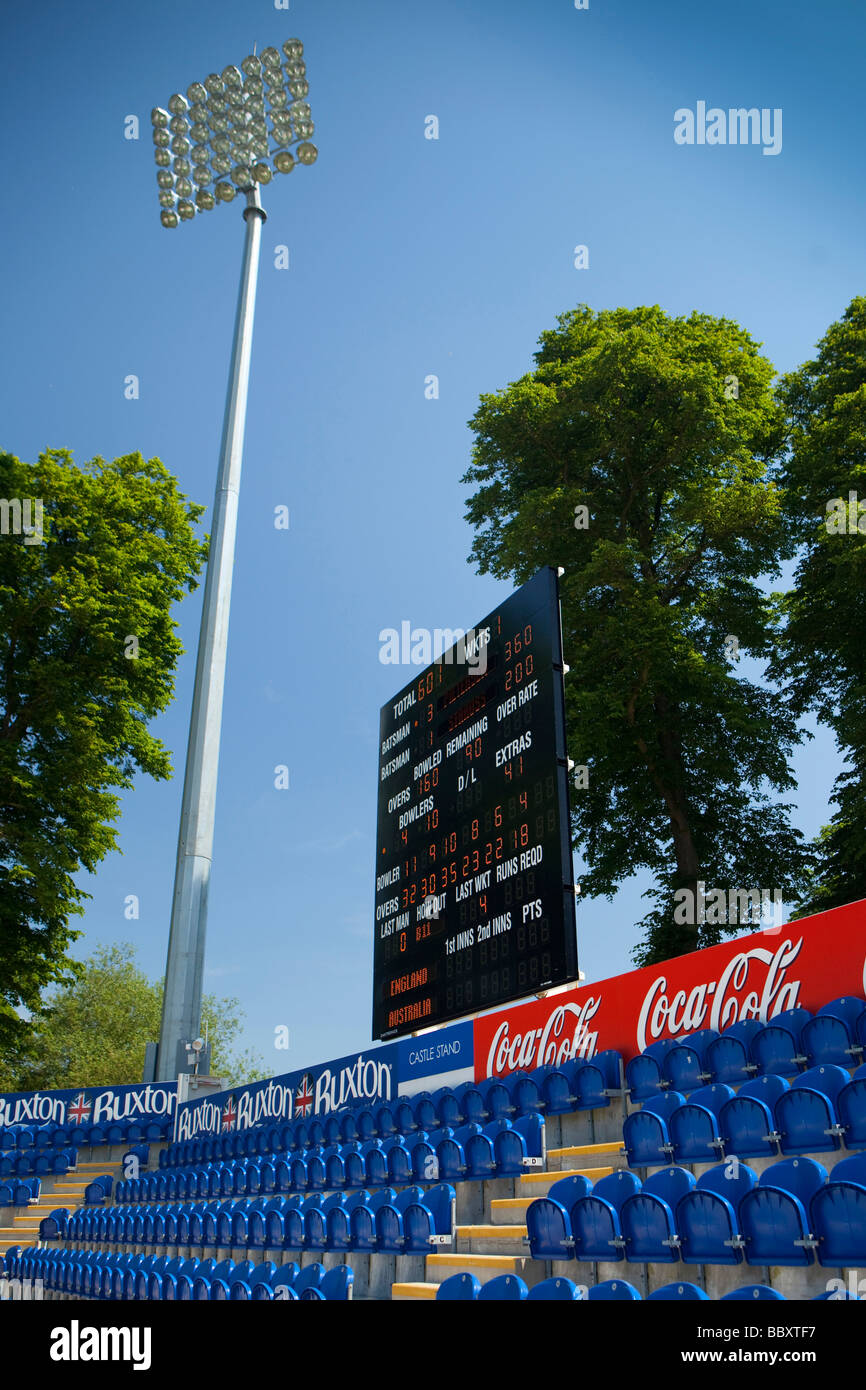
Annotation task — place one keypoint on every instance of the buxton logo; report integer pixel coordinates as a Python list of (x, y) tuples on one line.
[(77, 1343), (724, 999), (543, 1046), (108, 1107), (277, 1100)]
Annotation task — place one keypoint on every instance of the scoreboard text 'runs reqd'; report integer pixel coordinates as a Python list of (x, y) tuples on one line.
[(474, 885)]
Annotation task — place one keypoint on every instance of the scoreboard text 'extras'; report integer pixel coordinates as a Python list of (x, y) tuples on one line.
[(474, 884)]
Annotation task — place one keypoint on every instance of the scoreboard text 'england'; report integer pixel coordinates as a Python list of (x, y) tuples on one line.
[(474, 882)]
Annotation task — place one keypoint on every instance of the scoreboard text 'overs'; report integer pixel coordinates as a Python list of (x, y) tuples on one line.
[(474, 881)]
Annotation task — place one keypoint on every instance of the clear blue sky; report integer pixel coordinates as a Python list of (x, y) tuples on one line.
[(408, 257)]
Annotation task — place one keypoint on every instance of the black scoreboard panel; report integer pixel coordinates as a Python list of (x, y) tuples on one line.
[(474, 881)]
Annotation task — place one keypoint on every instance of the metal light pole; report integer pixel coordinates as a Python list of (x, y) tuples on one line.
[(226, 117)]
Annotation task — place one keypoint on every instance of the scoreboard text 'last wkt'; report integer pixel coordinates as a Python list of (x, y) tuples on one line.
[(474, 884)]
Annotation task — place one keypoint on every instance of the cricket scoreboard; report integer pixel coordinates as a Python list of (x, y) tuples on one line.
[(474, 880)]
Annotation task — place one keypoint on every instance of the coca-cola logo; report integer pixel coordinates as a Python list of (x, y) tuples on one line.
[(719, 1003), (565, 1034)]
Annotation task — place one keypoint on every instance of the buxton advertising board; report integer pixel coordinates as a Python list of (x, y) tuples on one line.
[(360, 1077), (89, 1105), (806, 963)]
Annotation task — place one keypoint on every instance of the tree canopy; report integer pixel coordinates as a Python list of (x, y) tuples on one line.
[(822, 659), (92, 1030), (88, 652), (639, 456)]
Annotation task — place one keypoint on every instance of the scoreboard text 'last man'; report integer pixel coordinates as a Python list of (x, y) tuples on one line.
[(474, 882)]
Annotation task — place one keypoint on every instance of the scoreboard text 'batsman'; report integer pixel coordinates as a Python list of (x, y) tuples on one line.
[(474, 881)]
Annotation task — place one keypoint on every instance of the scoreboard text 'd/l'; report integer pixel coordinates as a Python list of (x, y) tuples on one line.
[(474, 883)]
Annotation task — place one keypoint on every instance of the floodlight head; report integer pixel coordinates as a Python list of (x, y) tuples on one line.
[(232, 131)]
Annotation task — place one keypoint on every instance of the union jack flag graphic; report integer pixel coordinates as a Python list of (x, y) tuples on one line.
[(304, 1095), (230, 1114), (80, 1109)]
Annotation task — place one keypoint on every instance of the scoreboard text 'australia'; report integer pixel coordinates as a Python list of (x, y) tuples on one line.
[(474, 881)]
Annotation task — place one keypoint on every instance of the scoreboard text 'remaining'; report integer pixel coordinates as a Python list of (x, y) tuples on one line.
[(474, 882)]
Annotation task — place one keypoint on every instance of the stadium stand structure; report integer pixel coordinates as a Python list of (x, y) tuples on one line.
[(725, 1165)]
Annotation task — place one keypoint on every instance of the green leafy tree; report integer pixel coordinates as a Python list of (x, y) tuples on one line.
[(664, 430), (822, 660), (92, 1031), (87, 657)]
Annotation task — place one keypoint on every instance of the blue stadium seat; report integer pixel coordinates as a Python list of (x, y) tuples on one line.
[(426, 1114), (243, 1289), (556, 1090), (338, 1220), (647, 1218), (746, 1121), (375, 1163), (362, 1219), (336, 1287), (678, 1293), (553, 1291), (707, 1217), (805, 1114), (404, 1115), (462, 1105), (848, 1007), (828, 1039), (526, 1094), (645, 1132), (507, 1288), (643, 1074), (453, 1164), (316, 1220), (776, 1047), (694, 1126), (595, 1223), (459, 1288), (598, 1075), (54, 1225), (753, 1293), (398, 1158), (429, 1221), (613, 1291), (388, 1221), (774, 1215), (548, 1219), (386, 1121), (497, 1098), (838, 1214), (283, 1281)]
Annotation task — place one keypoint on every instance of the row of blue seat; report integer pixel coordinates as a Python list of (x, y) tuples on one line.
[(819, 1111), (39, 1164), (470, 1153), (576, 1085), (409, 1223), (509, 1288), (782, 1046), (788, 1216), (95, 1274), (20, 1192), (22, 1138)]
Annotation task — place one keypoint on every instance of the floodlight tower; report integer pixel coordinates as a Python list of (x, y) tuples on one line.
[(224, 136)]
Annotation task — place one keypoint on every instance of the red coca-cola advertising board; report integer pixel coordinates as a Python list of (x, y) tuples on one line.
[(806, 964)]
